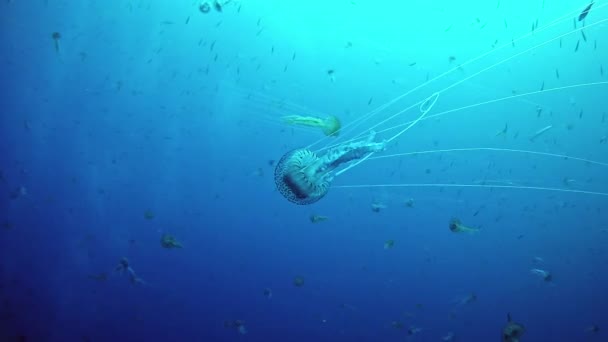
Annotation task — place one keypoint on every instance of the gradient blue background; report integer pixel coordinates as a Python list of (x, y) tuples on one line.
[(137, 112)]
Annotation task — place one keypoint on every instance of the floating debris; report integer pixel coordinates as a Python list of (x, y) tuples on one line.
[(318, 218), (168, 241), (457, 227), (298, 281)]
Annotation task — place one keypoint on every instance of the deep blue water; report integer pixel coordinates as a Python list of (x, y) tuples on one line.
[(144, 118)]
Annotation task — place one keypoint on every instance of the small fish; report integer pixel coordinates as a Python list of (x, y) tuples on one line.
[(584, 36), (557, 73), (188, 20), (330, 72), (574, 21), (580, 115), (601, 70), (585, 12), (370, 101), (506, 26), (595, 45), (293, 58), (560, 43), (412, 64), (448, 28), (451, 59), (542, 87), (212, 46), (577, 44), (272, 50)]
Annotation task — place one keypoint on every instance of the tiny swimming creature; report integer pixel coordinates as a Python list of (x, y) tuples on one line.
[(457, 227), (56, 38), (298, 281), (513, 331), (388, 244), (168, 241), (318, 218), (545, 275)]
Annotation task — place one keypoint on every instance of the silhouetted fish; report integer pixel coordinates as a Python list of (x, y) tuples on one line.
[(585, 12)]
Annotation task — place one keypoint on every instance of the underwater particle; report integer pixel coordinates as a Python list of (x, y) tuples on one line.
[(544, 274), (303, 178), (56, 36), (377, 206), (330, 125), (237, 325), (413, 330), (397, 325), (298, 281), (204, 7), (468, 299), (18, 193), (168, 241), (457, 227), (409, 202), (318, 218), (100, 277), (512, 331), (148, 214), (388, 244), (592, 329), (448, 337), (267, 292)]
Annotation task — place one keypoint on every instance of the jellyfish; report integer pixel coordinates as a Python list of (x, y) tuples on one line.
[(330, 126), (56, 38), (512, 332), (457, 227), (304, 177), (543, 274), (310, 174), (168, 241)]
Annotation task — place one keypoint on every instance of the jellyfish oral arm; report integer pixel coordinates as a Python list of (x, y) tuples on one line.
[(345, 153)]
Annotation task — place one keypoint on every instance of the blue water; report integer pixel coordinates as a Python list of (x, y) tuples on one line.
[(145, 118)]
